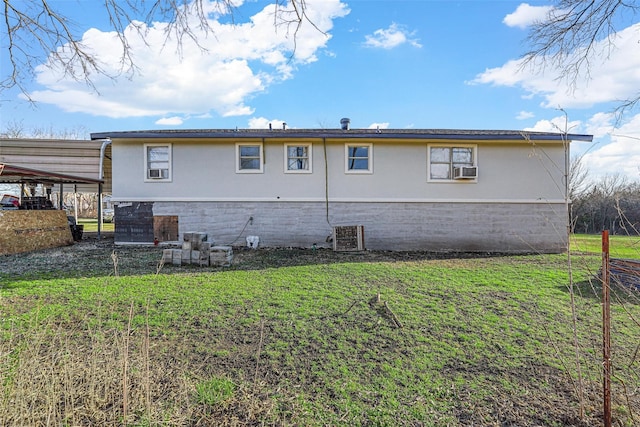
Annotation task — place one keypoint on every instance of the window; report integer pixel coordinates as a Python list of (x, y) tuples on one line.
[(443, 160), (157, 162), (297, 158), (249, 158), (358, 158)]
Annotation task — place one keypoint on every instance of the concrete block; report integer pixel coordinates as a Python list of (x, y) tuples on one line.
[(221, 256), (177, 256), (185, 256), (167, 256), (200, 237), (205, 248)]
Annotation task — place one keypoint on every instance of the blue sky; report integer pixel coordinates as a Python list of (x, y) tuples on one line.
[(393, 64)]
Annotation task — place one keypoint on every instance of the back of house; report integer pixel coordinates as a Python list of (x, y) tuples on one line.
[(409, 189)]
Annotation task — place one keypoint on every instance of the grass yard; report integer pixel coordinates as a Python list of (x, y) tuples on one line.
[(619, 246), (97, 335), (91, 225)]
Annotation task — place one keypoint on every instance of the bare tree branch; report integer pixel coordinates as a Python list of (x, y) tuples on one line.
[(568, 38), (38, 35)]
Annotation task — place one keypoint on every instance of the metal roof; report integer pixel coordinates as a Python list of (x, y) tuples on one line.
[(16, 175), (453, 134), (77, 158)]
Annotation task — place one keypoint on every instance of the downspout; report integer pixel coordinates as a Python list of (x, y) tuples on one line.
[(326, 190), (103, 148)]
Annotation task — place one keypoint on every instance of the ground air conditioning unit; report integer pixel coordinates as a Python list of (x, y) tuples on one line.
[(348, 238), (465, 172)]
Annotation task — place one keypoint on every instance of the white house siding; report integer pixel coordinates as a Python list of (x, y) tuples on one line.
[(206, 172), (446, 226)]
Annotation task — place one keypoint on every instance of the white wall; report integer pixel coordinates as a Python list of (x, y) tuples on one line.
[(206, 172)]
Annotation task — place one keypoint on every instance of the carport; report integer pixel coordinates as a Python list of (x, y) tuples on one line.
[(11, 174)]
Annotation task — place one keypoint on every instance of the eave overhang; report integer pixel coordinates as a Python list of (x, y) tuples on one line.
[(399, 134)]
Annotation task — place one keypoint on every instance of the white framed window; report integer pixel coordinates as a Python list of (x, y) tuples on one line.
[(358, 158), (444, 160), (157, 161), (249, 158), (297, 158)]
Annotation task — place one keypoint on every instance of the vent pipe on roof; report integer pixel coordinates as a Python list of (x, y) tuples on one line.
[(344, 123), (284, 126)]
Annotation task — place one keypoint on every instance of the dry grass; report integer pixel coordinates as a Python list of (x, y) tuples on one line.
[(76, 378)]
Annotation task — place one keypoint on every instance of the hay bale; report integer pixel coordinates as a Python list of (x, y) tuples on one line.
[(30, 230)]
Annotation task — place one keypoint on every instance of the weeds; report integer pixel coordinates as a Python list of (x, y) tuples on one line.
[(215, 391)]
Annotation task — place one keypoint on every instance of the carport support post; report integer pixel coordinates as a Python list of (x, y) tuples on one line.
[(99, 209), (60, 204), (75, 202)]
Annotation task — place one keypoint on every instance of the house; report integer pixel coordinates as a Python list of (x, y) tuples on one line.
[(408, 189)]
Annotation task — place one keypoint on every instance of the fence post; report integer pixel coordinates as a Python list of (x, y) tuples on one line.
[(606, 330)]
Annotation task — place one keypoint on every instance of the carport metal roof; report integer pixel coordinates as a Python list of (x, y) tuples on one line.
[(10, 174)]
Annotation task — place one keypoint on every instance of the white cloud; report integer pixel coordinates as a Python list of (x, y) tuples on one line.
[(613, 75), (526, 15), (241, 60), (384, 125), (391, 37), (601, 124), (620, 156), (557, 124), (523, 115), (170, 121), (613, 150), (263, 123)]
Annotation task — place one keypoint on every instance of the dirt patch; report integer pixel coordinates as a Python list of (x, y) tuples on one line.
[(94, 257)]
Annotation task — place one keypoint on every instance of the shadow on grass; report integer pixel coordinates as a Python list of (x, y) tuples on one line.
[(592, 290)]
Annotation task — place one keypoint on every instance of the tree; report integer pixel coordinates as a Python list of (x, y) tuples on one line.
[(35, 31), (16, 129), (611, 204), (567, 39), (578, 177)]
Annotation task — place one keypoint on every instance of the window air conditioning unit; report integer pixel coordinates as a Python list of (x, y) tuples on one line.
[(465, 172), (155, 173), (348, 238)]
